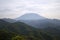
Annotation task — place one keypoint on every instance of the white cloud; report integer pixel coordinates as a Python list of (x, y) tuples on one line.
[(15, 8)]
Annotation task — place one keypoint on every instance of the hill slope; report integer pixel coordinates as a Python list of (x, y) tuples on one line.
[(25, 30)]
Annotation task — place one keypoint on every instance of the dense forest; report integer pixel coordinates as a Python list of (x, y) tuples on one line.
[(22, 31)]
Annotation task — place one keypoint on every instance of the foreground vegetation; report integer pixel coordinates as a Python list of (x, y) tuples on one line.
[(22, 31)]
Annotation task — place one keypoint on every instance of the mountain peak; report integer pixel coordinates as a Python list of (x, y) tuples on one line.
[(30, 16)]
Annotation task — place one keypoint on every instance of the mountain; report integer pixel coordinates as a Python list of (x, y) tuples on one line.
[(46, 29), (9, 20), (21, 30), (32, 19), (30, 16), (38, 21)]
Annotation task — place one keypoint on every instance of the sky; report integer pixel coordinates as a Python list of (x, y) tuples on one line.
[(15, 8)]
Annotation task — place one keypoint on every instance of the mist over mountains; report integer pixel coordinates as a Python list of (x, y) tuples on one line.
[(32, 26), (38, 21), (21, 31), (35, 20)]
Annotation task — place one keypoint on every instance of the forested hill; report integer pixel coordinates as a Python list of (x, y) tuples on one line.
[(22, 31)]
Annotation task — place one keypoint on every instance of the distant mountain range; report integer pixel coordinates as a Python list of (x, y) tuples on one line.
[(38, 21), (33, 25), (9, 20), (35, 20)]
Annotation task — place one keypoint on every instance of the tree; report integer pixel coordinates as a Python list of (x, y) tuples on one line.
[(18, 38)]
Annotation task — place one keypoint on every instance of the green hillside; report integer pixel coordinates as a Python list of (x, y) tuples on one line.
[(21, 31)]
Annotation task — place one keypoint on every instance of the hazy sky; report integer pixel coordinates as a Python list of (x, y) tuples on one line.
[(16, 8)]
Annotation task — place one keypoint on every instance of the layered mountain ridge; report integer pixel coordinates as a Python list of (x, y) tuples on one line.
[(30, 27), (38, 21)]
